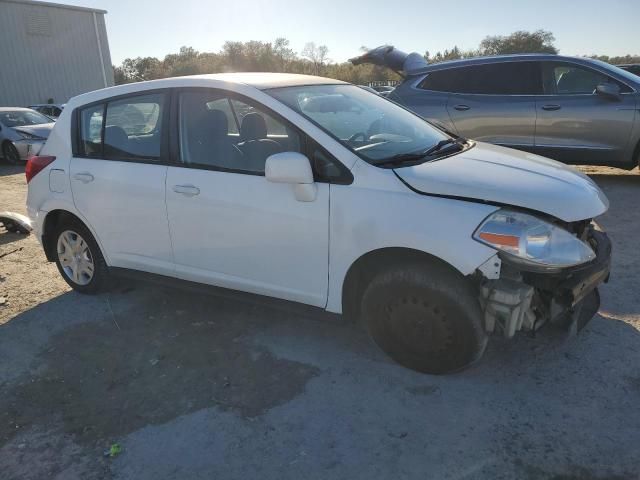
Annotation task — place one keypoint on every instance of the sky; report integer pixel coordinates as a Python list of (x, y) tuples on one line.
[(158, 27)]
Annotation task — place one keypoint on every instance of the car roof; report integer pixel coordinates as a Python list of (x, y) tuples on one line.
[(264, 80), (243, 80), (521, 57)]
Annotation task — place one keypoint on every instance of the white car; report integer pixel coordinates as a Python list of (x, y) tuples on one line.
[(315, 191)]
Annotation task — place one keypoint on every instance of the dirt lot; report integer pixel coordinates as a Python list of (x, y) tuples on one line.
[(194, 385)]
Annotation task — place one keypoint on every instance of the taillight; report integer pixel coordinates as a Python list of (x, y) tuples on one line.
[(35, 164)]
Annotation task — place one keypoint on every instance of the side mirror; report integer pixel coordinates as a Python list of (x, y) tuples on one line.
[(293, 168), (609, 90)]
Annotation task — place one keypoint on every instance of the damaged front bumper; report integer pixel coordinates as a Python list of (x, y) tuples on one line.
[(515, 298)]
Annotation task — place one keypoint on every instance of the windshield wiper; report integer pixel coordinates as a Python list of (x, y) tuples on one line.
[(451, 144)]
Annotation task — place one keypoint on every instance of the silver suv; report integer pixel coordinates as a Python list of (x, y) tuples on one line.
[(575, 110)]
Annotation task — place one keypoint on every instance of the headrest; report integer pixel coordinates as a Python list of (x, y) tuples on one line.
[(253, 127), (217, 124), (115, 136)]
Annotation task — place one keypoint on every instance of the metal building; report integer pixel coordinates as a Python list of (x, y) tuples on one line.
[(50, 51)]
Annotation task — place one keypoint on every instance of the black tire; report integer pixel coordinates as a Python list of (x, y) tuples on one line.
[(100, 277), (425, 317), (10, 153)]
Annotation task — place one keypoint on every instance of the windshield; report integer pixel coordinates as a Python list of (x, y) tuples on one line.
[(374, 128), (23, 118)]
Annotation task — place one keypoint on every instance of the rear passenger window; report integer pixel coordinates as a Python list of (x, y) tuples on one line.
[(132, 128), (91, 131), (508, 78)]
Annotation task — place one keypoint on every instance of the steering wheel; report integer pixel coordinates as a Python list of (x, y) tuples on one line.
[(353, 137)]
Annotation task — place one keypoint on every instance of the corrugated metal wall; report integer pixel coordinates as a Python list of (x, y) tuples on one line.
[(50, 52)]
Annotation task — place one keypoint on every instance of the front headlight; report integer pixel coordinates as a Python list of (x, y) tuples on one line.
[(532, 241)]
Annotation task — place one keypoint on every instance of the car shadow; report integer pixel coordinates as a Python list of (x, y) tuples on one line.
[(101, 367), (10, 237), (6, 169)]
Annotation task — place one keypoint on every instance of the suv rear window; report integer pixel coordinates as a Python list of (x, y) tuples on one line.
[(508, 78)]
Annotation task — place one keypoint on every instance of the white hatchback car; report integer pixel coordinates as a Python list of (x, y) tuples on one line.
[(315, 191)]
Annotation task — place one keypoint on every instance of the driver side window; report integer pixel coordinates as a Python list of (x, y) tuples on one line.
[(218, 132), (571, 79)]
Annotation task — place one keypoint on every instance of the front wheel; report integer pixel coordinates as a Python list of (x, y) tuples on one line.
[(425, 317), (10, 153), (78, 257)]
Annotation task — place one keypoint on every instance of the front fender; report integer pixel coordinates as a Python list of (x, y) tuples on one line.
[(364, 221)]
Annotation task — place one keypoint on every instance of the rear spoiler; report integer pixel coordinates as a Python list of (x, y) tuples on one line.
[(388, 56)]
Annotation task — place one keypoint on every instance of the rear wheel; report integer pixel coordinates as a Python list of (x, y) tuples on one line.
[(425, 317), (10, 153), (78, 257)]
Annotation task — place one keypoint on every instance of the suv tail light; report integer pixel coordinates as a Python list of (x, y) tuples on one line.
[(35, 164)]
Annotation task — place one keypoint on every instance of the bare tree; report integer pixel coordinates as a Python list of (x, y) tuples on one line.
[(317, 55)]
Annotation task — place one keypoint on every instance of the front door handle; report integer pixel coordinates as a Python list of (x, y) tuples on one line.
[(84, 177), (551, 107), (462, 108), (187, 190)]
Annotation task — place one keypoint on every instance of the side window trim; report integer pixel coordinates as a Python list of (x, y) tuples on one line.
[(76, 126), (230, 95)]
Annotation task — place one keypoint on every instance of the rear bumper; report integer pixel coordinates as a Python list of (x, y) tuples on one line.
[(37, 221)]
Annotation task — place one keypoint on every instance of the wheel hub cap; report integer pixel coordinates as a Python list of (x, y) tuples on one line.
[(75, 257)]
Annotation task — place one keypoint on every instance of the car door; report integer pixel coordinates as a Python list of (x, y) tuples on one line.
[(575, 124), (493, 102), (429, 103), (118, 174), (231, 227)]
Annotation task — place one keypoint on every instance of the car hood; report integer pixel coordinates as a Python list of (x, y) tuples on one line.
[(510, 177), (43, 130)]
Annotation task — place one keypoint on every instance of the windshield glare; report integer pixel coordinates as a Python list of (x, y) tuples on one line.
[(23, 118), (374, 128)]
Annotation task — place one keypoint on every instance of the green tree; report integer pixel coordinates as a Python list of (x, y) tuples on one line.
[(540, 41)]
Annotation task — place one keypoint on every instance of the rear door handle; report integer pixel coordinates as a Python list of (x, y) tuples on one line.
[(551, 107), (187, 190), (84, 177), (462, 108)]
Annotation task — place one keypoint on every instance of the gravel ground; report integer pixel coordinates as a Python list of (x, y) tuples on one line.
[(195, 385)]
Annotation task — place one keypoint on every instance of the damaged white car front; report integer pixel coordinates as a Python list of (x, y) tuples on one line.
[(543, 272)]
